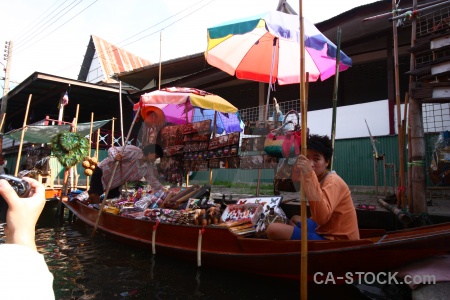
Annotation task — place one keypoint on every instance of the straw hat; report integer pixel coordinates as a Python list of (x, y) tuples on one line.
[(153, 116)]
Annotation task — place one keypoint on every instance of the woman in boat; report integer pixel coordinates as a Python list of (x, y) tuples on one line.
[(134, 165), (333, 214), (25, 274)]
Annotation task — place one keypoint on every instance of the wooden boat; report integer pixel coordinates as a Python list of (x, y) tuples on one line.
[(376, 251)]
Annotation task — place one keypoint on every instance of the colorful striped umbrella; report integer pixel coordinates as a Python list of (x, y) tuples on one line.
[(187, 105), (266, 48)]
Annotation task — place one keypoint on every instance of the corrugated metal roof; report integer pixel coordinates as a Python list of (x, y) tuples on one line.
[(116, 60)]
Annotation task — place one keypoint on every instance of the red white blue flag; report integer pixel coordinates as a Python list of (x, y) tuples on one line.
[(65, 99)]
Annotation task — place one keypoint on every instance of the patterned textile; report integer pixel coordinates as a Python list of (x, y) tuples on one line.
[(130, 168)]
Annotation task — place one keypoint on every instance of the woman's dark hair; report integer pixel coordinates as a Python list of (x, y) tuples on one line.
[(153, 148), (321, 144)]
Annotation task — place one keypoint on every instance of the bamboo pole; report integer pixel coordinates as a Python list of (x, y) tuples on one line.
[(304, 243), (213, 134), (22, 135), (160, 54), (90, 145), (97, 144), (401, 185), (113, 172), (3, 121), (121, 112), (335, 94), (90, 132), (112, 132)]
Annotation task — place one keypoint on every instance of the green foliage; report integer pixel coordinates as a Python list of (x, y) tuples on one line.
[(69, 148)]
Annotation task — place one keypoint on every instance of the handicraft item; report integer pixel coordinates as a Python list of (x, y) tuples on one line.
[(283, 141)]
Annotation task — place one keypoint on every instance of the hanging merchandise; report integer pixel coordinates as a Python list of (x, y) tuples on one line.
[(439, 169), (285, 141)]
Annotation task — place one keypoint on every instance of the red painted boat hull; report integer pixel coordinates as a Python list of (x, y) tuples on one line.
[(377, 252)]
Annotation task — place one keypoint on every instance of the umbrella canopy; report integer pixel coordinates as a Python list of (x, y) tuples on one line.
[(187, 105), (266, 48)]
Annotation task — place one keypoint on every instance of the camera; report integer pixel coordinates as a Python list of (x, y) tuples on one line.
[(21, 187)]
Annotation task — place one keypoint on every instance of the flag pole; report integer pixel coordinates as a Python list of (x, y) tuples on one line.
[(303, 211)]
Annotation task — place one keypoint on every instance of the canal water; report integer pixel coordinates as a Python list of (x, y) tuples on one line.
[(99, 268)]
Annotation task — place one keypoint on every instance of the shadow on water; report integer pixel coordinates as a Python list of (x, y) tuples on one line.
[(100, 268)]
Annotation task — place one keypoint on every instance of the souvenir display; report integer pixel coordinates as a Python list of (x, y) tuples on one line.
[(196, 141), (223, 151), (249, 211), (171, 169), (256, 162), (267, 202)]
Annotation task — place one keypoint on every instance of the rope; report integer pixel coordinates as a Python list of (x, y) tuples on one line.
[(199, 246), (154, 236)]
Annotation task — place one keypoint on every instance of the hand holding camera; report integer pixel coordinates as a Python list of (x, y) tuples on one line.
[(25, 200), (20, 186)]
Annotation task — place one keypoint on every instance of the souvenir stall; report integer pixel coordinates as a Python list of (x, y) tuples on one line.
[(197, 131)]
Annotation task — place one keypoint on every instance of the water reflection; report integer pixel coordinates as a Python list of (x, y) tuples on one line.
[(99, 268)]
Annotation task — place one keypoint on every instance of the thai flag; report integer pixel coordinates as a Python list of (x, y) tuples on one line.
[(65, 99)]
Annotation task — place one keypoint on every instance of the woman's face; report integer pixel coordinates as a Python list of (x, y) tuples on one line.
[(318, 163)]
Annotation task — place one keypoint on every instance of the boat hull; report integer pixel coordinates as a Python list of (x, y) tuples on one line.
[(221, 248)]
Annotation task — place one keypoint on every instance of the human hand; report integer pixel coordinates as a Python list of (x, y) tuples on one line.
[(118, 157), (23, 213), (302, 164)]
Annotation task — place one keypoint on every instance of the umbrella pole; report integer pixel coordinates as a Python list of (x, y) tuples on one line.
[(112, 174), (335, 92), (304, 229), (270, 78), (21, 136)]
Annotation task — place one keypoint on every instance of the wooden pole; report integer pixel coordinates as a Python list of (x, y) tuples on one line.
[(335, 94), (22, 135), (213, 135), (401, 186), (417, 146), (112, 132), (160, 54), (121, 112), (97, 144), (112, 174), (90, 146), (3, 121), (90, 132), (303, 211)]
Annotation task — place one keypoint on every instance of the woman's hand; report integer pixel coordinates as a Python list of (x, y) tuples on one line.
[(23, 213)]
